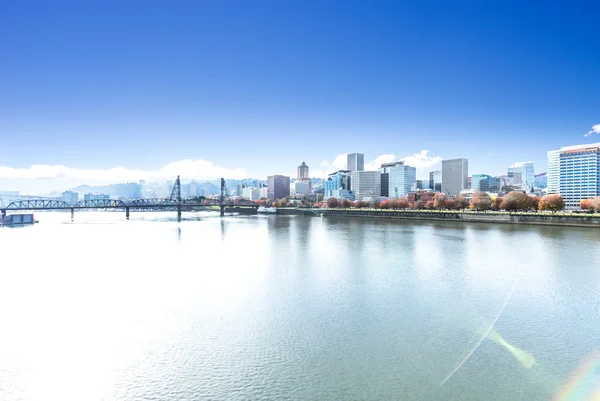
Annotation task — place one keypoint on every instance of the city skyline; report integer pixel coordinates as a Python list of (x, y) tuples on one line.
[(100, 90)]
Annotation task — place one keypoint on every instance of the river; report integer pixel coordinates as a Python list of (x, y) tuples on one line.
[(293, 308)]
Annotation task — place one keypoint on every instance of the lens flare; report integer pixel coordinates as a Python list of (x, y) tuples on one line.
[(584, 383)]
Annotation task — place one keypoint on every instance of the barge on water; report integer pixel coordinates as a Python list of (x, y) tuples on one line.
[(17, 219)]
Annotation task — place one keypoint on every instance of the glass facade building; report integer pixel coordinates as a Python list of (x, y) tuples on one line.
[(338, 185), (435, 181), (522, 173), (401, 178), (484, 182), (579, 176)]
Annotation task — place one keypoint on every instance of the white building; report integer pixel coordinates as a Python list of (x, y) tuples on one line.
[(521, 173), (251, 193), (553, 174), (365, 184), (264, 192), (300, 188), (204, 192)]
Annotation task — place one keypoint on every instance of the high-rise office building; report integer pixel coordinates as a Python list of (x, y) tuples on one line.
[(540, 180), (204, 192), (455, 173), (69, 197), (553, 171), (366, 184), (401, 178), (279, 187), (355, 162), (338, 185), (579, 173), (484, 182), (522, 173), (384, 178), (435, 180), (303, 172)]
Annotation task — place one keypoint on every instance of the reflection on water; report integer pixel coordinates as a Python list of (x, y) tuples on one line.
[(293, 307)]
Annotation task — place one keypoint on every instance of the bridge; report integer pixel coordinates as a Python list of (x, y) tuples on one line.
[(173, 202)]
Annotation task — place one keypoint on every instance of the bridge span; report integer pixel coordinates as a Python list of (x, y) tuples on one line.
[(173, 202)]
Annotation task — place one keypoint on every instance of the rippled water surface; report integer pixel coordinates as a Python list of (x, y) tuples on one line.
[(292, 308)]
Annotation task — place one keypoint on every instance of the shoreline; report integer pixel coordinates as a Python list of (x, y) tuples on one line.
[(487, 217)]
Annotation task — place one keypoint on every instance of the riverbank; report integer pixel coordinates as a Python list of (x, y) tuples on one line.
[(569, 220)]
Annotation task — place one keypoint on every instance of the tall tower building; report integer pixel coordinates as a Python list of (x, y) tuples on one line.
[(355, 162), (455, 176), (553, 171), (303, 172)]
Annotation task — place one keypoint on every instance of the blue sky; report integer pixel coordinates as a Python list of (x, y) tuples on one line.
[(256, 87)]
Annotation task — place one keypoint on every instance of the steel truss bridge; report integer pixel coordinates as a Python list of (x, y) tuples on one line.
[(174, 202)]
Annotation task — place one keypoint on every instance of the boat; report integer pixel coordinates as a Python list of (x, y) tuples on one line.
[(263, 209), (18, 219)]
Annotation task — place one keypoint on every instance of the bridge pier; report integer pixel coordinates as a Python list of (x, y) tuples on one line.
[(178, 212), (72, 213), (127, 212), (222, 210)]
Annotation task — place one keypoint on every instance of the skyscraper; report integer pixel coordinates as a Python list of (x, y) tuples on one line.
[(401, 178), (384, 178), (303, 172), (279, 187), (355, 162), (553, 171), (579, 173), (522, 173), (435, 181), (455, 173), (366, 184)]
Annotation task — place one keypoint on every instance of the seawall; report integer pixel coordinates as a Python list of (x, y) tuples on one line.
[(488, 217)]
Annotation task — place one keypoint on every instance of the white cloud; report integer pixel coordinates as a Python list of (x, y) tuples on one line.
[(340, 161), (595, 130), (188, 169), (324, 164), (422, 160), (375, 164)]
